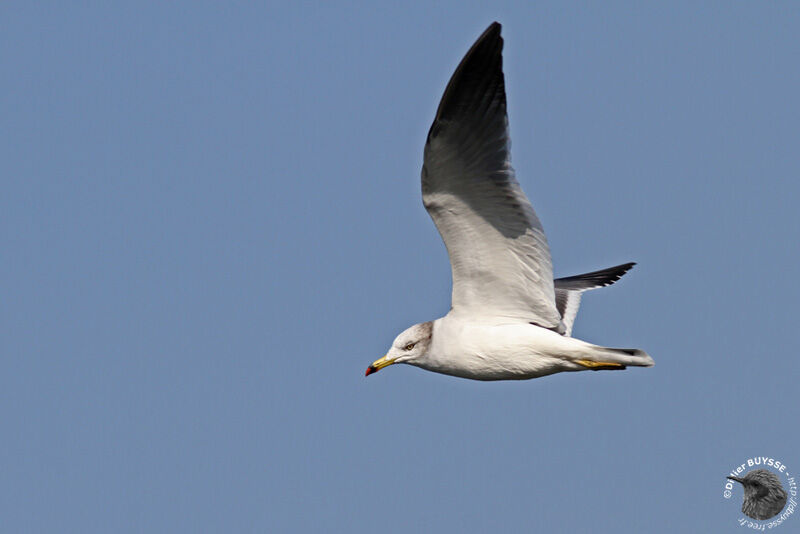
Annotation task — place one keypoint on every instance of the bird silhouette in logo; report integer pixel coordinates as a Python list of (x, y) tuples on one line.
[(764, 497)]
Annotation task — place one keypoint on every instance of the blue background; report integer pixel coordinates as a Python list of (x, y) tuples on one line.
[(210, 224)]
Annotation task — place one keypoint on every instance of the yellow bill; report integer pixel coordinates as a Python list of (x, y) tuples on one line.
[(377, 365)]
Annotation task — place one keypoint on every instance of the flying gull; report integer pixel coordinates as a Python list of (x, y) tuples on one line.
[(509, 319)]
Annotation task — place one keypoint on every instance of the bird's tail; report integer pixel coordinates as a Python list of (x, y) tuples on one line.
[(607, 359)]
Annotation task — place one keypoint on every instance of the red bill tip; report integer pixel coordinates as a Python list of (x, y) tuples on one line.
[(370, 370)]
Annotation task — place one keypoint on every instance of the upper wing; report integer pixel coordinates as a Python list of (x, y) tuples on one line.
[(498, 250), (570, 288)]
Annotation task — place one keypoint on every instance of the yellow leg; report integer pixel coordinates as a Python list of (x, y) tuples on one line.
[(600, 366)]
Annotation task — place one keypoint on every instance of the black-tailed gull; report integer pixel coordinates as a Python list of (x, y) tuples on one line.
[(509, 318)]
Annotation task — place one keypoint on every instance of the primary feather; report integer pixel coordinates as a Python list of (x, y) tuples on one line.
[(498, 251)]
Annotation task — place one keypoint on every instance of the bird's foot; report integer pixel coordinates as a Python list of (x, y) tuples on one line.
[(600, 366)]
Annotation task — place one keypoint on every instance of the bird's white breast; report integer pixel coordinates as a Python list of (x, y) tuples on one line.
[(491, 349)]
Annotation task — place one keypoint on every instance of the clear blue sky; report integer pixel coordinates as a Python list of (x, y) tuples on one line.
[(210, 224)]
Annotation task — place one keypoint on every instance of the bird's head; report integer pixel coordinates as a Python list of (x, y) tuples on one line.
[(409, 347), (764, 496), (758, 483)]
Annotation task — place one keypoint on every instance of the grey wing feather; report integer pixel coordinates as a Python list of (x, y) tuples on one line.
[(498, 250), (569, 290)]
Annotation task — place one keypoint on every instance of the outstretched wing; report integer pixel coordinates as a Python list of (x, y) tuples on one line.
[(498, 251), (570, 289)]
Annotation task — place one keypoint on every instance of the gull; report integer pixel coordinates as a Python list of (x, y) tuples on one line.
[(509, 319)]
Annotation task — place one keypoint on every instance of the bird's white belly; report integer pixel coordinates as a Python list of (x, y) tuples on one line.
[(485, 351)]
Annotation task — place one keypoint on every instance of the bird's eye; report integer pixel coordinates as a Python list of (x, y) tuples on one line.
[(409, 346)]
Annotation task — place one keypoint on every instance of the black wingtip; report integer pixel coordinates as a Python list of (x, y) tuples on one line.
[(601, 278), (620, 270), (492, 32), (478, 79), (494, 28), (612, 274)]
